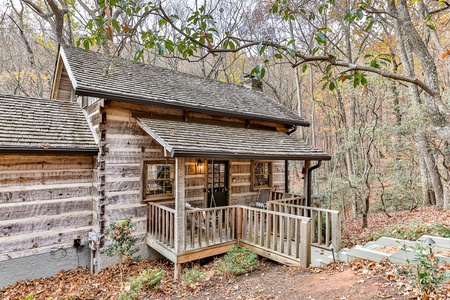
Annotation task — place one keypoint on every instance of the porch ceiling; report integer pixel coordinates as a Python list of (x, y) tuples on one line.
[(184, 139)]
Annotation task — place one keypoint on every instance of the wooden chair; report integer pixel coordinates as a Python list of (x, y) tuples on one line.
[(262, 198)]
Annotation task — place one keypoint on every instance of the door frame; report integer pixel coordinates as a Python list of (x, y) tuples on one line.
[(226, 178)]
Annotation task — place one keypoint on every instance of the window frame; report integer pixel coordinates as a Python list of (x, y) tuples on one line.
[(269, 174), (166, 196)]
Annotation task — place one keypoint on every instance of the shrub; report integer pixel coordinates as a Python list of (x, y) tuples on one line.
[(122, 242), (191, 276), (149, 279), (237, 261), (424, 271), (412, 231)]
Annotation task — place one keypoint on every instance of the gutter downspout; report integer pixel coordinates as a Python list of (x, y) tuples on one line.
[(286, 164), (308, 187)]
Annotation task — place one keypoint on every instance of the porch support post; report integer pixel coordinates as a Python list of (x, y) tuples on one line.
[(307, 183), (180, 218), (305, 243)]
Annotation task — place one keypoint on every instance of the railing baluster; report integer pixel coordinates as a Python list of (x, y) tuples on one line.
[(261, 228), (319, 227), (327, 229)]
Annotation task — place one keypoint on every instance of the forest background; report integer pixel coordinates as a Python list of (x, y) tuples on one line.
[(371, 76)]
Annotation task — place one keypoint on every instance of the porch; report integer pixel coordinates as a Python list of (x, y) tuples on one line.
[(284, 232)]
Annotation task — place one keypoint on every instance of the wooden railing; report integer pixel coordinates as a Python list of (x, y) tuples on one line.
[(161, 224), (280, 197), (210, 226), (276, 232), (325, 223)]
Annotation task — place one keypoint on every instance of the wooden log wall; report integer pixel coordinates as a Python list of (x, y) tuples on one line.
[(241, 191), (45, 203)]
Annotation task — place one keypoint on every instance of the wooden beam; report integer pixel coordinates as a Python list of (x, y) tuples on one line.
[(180, 218), (205, 252), (276, 256)]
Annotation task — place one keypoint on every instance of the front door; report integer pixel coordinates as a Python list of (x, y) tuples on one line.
[(217, 183)]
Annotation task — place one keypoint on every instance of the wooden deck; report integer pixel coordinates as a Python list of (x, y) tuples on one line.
[(284, 232)]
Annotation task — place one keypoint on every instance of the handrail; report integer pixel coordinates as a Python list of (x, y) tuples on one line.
[(276, 232), (329, 231), (161, 224), (210, 226)]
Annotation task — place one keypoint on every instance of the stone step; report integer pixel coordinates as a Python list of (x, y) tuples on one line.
[(365, 253)]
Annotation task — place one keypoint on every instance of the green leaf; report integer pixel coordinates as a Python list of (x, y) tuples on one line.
[(369, 26), (162, 22), (274, 9), (355, 81), (315, 50), (261, 48), (359, 14), (161, 48), (328, 68), (304, 68), (86, 44), (278, 55), (261, 74), (291, 52), (363, 80), (332, 86), (181, 47), (321, 9), (116, 25), (320, 37), (431, 26)]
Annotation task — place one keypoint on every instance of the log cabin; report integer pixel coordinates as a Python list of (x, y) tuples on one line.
[(197, 164)]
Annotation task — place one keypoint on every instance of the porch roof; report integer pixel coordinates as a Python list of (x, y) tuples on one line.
[(184, 139)]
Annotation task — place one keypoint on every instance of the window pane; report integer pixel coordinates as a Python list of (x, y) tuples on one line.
[(261, 174), (160, 179)]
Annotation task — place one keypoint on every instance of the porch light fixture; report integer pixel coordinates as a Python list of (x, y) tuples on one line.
[(200, 167)]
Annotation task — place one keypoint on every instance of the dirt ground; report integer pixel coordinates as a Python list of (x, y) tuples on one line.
[(361, 279), (274, 281)]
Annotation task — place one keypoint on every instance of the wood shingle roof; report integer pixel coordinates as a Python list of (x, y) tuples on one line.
[(97, 75), (43, 125), (183, 139)]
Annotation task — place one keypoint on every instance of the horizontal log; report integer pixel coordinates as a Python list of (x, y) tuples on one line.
[(42, 239), (119, 212), (130, 142), (123, 197), (46, 193), (45, 177), (44, 162), (123, 185), (45, 223), (44, 208), (117, 171)]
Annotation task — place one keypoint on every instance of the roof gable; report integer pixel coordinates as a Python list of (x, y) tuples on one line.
[(33, 124), (103, 76)]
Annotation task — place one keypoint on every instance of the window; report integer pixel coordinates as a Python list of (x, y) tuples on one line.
[(159, 179), (261, 174), (87, 101)]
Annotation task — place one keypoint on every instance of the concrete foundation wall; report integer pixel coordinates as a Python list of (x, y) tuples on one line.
[(42, 265), (49, 264)]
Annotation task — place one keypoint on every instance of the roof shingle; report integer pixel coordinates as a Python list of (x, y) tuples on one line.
[(201, 140), (111, 77), (28, 124)]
